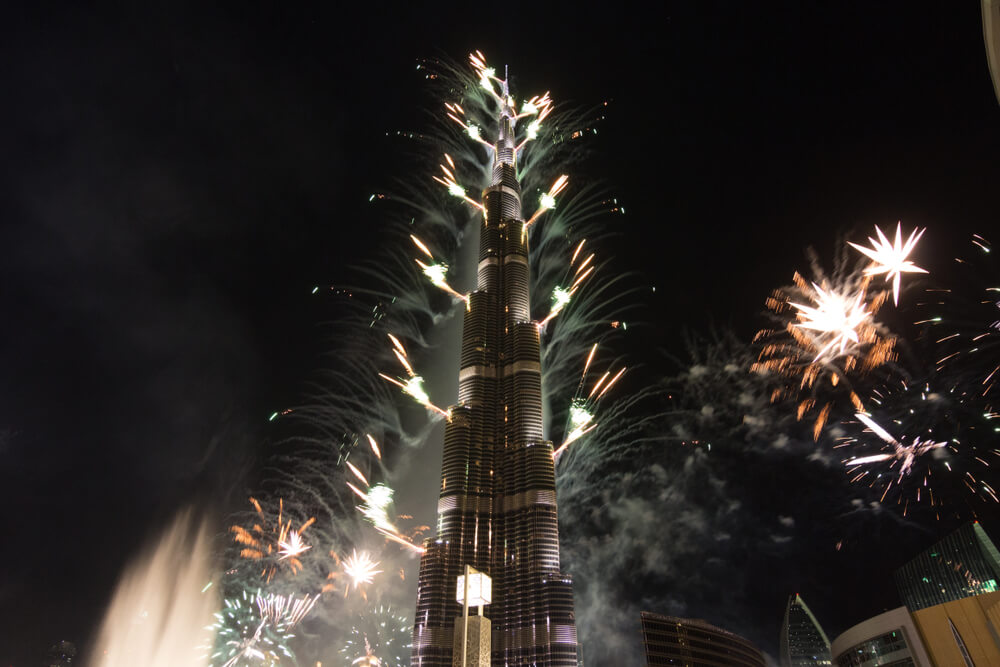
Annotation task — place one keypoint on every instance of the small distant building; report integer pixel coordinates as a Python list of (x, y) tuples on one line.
[(803, 642), (891, 638), (963, 564), (61, 654), (964, 633), (669, 640)]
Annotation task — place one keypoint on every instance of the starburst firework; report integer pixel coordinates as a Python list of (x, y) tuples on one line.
[(891, 258)]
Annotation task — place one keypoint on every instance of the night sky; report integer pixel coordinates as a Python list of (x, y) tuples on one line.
[(177, 179)]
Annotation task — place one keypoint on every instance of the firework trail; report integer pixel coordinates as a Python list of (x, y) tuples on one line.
[(379, 634)]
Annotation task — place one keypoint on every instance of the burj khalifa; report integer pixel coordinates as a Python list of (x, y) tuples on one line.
[(497, 503)]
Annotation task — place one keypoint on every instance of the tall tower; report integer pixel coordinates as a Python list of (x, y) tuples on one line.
[(803, 642), (497, 505)]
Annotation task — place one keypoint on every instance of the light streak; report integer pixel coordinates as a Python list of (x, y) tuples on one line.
[(356, 472), (374, 446)]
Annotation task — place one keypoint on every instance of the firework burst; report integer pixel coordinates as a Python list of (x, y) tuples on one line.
[(272, 544), (379, 636), (826, 340), (891, 258), (944, 462), (253, 629)]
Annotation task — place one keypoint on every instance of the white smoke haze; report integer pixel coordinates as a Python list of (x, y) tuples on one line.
[(684, 517)]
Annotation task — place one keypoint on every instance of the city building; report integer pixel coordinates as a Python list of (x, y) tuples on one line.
[(669, 640), (963, 633), (61, 654), (803, 642), (497, 501), (891, 638), (963, 564)]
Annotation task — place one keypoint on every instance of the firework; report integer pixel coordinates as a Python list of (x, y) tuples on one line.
[(822, 350), (962, 320), (891, 258), (448, 180), (836, 318), (273, 545), (360, 569), (253, 630), (898, 453), (413, 385), (377, 501), (945, 467), (547, 201), (561, 296), (436, 272), (581, 410), (379, 637)]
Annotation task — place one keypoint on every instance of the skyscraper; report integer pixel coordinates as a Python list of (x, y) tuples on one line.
[(497, 504), (803, 642), (963, 564)]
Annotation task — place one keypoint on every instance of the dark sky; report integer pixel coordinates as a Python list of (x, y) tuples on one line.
[(176, 179)]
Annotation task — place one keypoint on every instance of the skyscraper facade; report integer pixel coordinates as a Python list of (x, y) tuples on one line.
[(497, 502), (963, 564), (669, 640), (803, 642)]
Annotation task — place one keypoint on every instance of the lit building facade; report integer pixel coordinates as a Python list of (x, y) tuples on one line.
[(891, 638), (669, 640), (803, 642), (962, 633), (497, 503), (963, 564)]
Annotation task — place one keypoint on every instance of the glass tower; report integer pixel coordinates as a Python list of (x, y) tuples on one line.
[(497, 504), (803, 642), (961, 565)]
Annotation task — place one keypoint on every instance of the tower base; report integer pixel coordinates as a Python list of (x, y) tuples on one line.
[(478, 649)]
